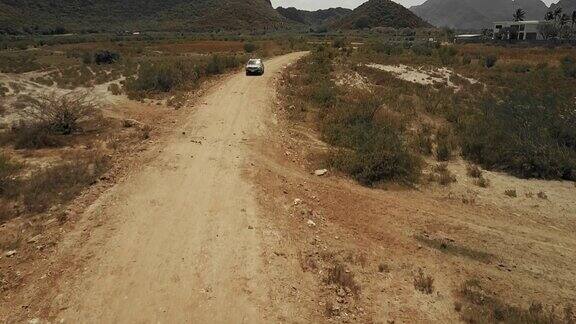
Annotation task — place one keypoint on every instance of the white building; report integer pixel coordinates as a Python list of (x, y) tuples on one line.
[(518, 30)]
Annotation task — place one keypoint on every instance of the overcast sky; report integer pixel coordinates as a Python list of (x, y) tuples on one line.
[(323, 4)]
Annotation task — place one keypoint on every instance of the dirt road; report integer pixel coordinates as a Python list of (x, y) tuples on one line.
[(187, 246)]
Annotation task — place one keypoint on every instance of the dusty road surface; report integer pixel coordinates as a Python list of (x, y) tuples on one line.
[(187, 245)]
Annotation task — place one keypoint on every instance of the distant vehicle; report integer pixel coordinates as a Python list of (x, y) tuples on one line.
[(255, 66)]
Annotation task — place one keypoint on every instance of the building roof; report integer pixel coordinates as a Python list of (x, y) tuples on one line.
[(518, 22), (468, 35)]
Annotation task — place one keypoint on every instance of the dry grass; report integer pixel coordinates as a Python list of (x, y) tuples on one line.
[(423, 283), (473, 171), (47, 121), (61, 183), (344, 278), (482, 182), (480, 306), (115, 89), (442, 175), (512, 193), (542, 195), (61, 114), (383, 267), (8, 171)]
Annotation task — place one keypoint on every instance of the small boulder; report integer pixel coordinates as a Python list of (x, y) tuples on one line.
[(320, 172)]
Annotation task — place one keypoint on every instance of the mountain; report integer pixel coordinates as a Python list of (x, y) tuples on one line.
[(313, 18), (118, 15), (474, 14), (380, 13)]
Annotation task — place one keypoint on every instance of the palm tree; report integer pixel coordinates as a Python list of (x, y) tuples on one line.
[(519, 15), (558, 13), (564, 19), (549, 16)]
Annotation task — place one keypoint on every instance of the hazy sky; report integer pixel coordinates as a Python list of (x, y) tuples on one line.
[(323, 4)]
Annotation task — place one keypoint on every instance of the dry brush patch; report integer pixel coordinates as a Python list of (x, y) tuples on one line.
[(480, 306)]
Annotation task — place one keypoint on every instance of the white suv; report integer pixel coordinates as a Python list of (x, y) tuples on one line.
[(255, 66)]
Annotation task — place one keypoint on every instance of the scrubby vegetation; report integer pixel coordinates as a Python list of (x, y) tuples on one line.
[(519, 118), (47, 119), (370, 142), (480, 306), (61, 183), (8, 170), (169, 74), (49, 186)]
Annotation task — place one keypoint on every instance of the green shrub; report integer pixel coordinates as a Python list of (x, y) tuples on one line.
[(8, 169), (382, 159), (163, 76), (568, 65), (447, 54), (106, 57), (444, 144), (87, 58), (490, 61), (115, 89), (219, 64), (250, 47), (373, 150), (387, 49), (521, 68), (422, 50), (362, 22), (339, 43), (324, 94)]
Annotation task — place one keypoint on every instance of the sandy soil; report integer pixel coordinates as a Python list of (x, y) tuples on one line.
[(423, 76), (21, 87)]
